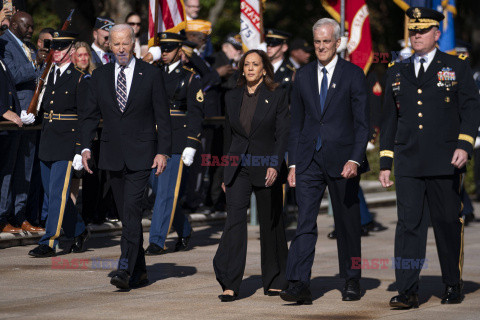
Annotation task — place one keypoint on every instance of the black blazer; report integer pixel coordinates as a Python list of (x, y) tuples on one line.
[(266, 144), (129, 138)]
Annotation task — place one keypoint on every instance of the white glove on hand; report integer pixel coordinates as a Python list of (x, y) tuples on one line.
[(477, 143), (370, 146), (188, 155), (27, 118), (77, 162), (343, 44)]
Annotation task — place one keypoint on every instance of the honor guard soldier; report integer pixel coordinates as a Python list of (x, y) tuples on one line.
[(185, 95), (430, 117), (276, 48), (66, 86)]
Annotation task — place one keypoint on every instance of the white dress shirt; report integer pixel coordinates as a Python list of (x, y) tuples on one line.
[(100, 53), (128, 74), (62, 70), (428, 59), (172, 66), (330, 68), (277, 65)]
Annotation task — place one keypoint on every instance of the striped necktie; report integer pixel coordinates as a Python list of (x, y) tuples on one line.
[(27, 52), (122, 89)]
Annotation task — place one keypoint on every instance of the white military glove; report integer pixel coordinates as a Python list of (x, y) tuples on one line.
[(27, 118), (477, 143), (370, 146), (343, 44), (188, 155), (77, 162)]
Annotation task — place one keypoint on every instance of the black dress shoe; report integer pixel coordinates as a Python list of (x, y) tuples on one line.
[(121, 280), (404, 301), (227, 297), (364, 231), (299, 293), (154, 250), (138, 280), (79, 242), (272, 293), (374, 226), (332, 235), (351, 291), (182, 243), (42, 251), (453, 294)]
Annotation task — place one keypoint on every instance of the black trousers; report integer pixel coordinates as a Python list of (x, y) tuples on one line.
[(230, 259), (310, 187), (128, 188), (443, 196)]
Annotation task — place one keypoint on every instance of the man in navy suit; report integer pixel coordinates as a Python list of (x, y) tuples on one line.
[(18, 55), (329, 133)]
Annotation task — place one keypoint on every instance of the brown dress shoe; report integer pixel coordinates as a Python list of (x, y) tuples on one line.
[(26, 226), (8, 228)]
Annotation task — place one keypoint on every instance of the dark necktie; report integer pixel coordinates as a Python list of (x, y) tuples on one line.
[(122, 89), (421, 72), (323, 97), (58, 75)]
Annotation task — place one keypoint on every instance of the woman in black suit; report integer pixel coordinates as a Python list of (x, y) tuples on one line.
[(256, 130)]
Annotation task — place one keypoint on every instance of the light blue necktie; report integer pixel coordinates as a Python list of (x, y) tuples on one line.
[(323, 97)]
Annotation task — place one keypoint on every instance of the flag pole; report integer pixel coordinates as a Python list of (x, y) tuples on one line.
[(342, 23), (155, 31), (405, 32)]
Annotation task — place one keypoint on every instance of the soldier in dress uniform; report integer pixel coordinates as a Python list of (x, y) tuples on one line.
[(185, 96), (276, 48), (66, 87), (430, 118)]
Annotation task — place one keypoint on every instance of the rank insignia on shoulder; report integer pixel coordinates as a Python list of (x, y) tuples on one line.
[(200, 96), (462, 56), (291, 68), (391, 64)]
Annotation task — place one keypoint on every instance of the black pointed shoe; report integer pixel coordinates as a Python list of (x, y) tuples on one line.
[(404, 301), (182, 243), (42, 251), (79, 242), (138, 280), (299, 293), (453, 294), (154, 250), (121, 280), (227, 297), (351, 291)]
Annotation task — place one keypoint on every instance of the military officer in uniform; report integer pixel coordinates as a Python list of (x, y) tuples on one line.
[(66, 87), (185, 96), (430, 118), (276, 48)]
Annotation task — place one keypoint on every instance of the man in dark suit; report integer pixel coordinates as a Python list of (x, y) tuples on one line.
[(100, 47), (328, 137), (430, 117), (130, 97), (20, 58)]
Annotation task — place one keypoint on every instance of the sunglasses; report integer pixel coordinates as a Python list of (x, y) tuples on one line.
[(134, 24)]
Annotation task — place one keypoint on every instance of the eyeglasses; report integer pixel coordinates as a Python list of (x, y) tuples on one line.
[(134, 24)]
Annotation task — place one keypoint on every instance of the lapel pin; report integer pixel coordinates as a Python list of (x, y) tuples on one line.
[(266, 101), (140, 73), (68, 71), (334, 85)]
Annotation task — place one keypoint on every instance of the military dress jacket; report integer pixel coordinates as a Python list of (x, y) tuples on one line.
[(424, 121)]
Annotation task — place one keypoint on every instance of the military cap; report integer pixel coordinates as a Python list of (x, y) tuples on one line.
[(423, 18), (299, 43), (274, 37), (169, 41), (62, 39), (104, 23), (202, 26), (235, 40)]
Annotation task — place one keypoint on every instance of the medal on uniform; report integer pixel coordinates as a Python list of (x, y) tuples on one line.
[(445, 77)]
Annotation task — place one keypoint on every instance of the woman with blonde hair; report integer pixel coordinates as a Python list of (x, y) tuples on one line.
[(83, 57)]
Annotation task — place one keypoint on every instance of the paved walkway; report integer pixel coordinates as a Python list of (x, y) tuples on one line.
[(183, 285)]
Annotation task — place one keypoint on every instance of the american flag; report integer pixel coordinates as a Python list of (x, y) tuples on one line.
[(170, 14)]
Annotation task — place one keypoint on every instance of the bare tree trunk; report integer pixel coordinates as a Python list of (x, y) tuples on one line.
[(118, 9), (215, 11)]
